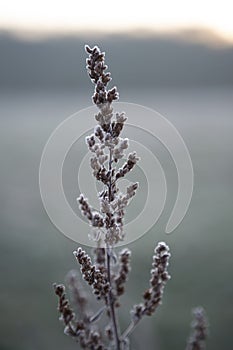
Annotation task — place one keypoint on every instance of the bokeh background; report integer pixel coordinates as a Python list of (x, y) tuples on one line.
[(175, 57)]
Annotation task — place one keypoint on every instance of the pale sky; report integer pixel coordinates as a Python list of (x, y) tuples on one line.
[(118, 15)]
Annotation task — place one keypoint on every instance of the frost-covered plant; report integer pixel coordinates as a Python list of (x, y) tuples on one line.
[(199, 332), (107, 272)]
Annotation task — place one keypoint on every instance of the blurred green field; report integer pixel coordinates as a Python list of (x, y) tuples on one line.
[(34, 254)]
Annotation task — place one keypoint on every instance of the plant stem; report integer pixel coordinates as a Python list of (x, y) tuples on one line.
[(111, 302), (108, 249), (97, 315), (129, 329), (110, 180), (132, 326)]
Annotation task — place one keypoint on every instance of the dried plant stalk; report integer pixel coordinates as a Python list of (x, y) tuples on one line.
[(106, 273)]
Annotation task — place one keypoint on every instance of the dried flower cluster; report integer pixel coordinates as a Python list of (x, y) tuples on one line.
[(81, 331), (108, 272), (124, 269), (107, 148), (199, 330), (159, 277), (92, 275)]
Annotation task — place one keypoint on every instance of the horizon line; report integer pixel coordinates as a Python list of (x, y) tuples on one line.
[(195, 34)]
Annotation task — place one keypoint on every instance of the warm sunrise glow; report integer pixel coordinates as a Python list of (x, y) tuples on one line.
[(110, 16)]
